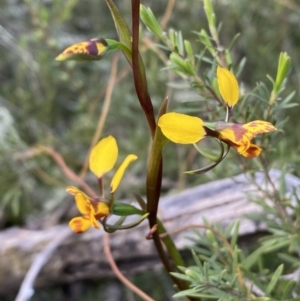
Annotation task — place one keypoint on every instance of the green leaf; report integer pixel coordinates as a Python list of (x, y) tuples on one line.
[(206, 41), (233, 41), (121, 25), (290, 259), (197, 260), (192, 274), (211, 237), (235, 259), (220, 276), (240, 66), (284, 63), (181, 276), (189, 51), (235, 234), (184, 293), (288, 289), (123, 209), (150, 22), (210, 14), (274, 279)]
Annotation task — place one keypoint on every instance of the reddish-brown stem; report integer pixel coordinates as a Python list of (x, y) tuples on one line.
[(119, 274), (139, 74)]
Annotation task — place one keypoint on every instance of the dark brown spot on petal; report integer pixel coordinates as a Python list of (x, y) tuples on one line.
[(238, 131), (91, 48), (100, 40)]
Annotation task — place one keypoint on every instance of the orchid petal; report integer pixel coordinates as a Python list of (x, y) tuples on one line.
[(103, 156), (252, 151), (228, 86), (74, 190), (256, 127), (239, 133), (83, 204), (80, 224), (181, 128), (120, 172), (94, 222), (101, 210)]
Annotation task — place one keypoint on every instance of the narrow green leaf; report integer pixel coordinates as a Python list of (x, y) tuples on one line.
[(233, 41), (220, 276), (150, 21), (121, 25), (290, 259), (210, 14), (235, 234), (181, 276), (288, 98), (235, 259), (184, 293), (286, 294), (193, 274), (274, 279), (197, 260)]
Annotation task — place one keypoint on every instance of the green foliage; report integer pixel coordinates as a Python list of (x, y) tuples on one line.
[(223, 271), (45, 102)]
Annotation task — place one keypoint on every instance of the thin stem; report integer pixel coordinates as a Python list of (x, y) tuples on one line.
[(154, 174), (278, 202), (101, 190), (66, 170), (104, 112), (228, 113), (118, 273), (167, 14)]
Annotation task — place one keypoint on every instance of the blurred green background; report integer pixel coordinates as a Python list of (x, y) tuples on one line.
[(58, 104)]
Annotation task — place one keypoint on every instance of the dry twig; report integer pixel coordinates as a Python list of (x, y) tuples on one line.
[(121, 277)]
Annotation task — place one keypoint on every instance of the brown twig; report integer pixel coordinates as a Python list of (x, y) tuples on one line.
[(121, 277), (167, 14), (121, 75), (151, 45), (66, 170)]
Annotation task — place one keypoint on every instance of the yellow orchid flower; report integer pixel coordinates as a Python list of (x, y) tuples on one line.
[(184, 129), (92, 211), (102, 159), (239, 136), (228, 86)]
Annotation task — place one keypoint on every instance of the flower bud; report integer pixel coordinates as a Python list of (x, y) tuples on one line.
[(91, 50), (123, 209)]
